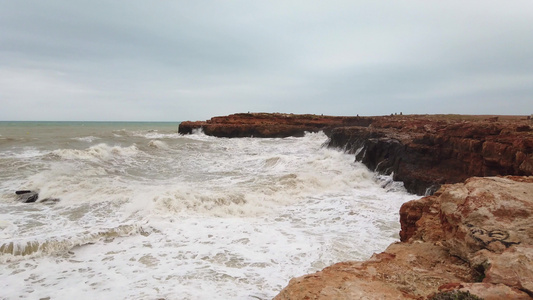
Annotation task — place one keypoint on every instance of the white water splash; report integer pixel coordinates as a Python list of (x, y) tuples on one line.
[(191, 217)]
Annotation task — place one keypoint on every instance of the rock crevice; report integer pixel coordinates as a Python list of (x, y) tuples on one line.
[(267, 125)]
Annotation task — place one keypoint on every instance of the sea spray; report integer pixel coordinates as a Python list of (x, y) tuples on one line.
[(147, 213)]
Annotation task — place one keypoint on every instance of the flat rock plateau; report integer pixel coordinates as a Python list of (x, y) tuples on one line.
[(472, 232)]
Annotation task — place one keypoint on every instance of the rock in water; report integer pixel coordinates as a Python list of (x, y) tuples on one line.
[(20, 192), (27, 196), (50, 200)]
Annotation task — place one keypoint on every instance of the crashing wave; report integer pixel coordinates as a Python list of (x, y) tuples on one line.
[(23, 248)]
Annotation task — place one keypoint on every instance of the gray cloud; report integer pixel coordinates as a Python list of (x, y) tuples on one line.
[(178, 60)]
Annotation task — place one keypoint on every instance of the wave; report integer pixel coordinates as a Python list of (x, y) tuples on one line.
[(27, 247), (88, 139), (148, 134), (98, 152), (27, 152), (156, 135)]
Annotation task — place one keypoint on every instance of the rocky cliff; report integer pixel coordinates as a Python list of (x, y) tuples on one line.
[(270, 125), (422, 151), (427, 151), (473, 237)]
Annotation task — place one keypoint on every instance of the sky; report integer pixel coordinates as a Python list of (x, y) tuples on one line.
[(165, 60)]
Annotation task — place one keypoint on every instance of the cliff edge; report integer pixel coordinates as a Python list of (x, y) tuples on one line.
[(422, 151), (427, 151), (269, 125), (472, 234), (473, 237)]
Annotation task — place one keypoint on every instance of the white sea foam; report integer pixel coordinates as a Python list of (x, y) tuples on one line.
[(18, 248), (24, 153), (157, 135), (158, 144), (100, 151), (88, 139), (191, 217)]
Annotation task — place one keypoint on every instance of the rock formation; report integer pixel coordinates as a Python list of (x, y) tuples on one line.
[(427, 151), (269, 125), (422, 151), (27, 196), (474, 236)]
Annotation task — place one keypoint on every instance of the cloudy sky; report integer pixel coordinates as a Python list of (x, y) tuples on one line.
[(165, 60)]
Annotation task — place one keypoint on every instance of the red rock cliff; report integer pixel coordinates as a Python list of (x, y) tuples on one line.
[(474, 236), (422, 151), (427, 151), (270, 125)]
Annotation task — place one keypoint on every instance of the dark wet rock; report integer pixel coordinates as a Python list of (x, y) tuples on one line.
[(425, 152), (20, 192), (50, 200), (27, 196)]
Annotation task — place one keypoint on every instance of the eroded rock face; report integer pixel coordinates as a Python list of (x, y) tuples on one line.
[(270, 125), (401, 272), (426, 152), (485, 221), (487, 213), (422, 151), (474, 236)]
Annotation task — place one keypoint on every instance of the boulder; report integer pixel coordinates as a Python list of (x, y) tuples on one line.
[(27, 196)]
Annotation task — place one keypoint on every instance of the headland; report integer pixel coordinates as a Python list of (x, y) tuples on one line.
[(472, 232), (423, 151)]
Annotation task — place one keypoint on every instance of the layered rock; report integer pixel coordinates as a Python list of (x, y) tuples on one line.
[(427, 151), (468, 237), (422, 151), (27, 196), (474, 236), (270, 125)]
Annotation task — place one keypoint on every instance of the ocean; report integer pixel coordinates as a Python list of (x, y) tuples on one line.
[(138, 211)]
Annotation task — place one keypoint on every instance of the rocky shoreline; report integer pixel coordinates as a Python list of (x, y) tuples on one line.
[(422, 151), (268, 125), (474, 234), (474, 237)]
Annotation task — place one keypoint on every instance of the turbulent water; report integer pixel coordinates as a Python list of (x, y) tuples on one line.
[(145, 213)]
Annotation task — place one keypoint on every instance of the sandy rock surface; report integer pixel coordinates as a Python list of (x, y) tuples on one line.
[(474, 236)]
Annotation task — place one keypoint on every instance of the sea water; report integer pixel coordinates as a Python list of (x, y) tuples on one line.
[(138, 211)]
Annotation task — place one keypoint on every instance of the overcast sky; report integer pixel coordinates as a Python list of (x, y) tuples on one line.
[(191, 60)]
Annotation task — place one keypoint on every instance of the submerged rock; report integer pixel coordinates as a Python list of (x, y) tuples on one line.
[(20, 192), (49, 200)]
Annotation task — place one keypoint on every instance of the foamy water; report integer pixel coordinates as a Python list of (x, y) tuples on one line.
[(145, 213)]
